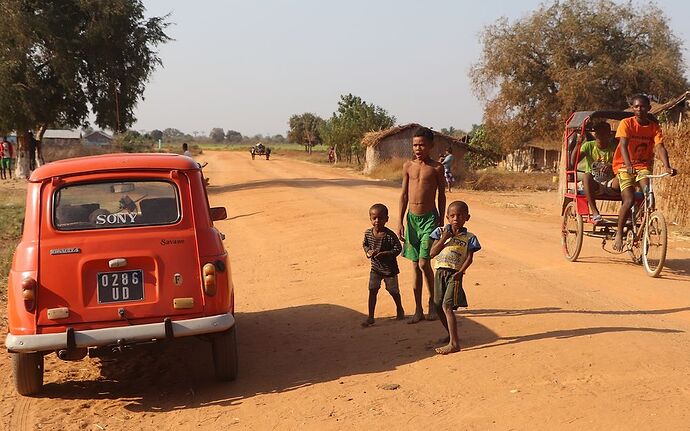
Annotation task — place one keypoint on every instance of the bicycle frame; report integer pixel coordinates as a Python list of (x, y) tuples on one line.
[(648, 205)]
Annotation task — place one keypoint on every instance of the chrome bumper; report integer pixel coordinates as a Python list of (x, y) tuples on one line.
[(124, 334)]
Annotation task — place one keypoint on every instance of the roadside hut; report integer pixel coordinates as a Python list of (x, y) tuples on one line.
[(396, 142), (98, 138), (63, 138), (536, 155), (673, 111)]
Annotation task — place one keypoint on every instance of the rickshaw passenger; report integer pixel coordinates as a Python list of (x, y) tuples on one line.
[(640, 136), (595, 159)]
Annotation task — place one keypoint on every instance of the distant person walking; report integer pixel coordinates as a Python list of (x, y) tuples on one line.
[(6, 154), (185, 150), (448, 167)]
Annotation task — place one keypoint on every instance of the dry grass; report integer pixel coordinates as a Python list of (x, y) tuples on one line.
[(389, 170), (11, 215), (672, 193), (500, 180), (488, 179), (52, 153)]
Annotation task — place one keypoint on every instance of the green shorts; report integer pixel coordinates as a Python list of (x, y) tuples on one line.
[(417, 242), (448, 288), (6, 163)]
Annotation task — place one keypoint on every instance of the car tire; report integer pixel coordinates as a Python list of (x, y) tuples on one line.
[(27, 369), (224, 347)]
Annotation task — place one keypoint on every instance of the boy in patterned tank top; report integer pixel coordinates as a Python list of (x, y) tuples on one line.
[(382, 246), (453, 247)]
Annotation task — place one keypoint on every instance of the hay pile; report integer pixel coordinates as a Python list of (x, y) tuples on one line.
[(673, 194)]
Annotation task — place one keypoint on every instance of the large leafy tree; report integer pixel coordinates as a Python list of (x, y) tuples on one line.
[(347, 126), (217, 134), (233, 136), (304, 130), (572, 55), (61, 57)]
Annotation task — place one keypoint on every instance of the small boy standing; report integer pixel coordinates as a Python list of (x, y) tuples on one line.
[(453, 247), (382, 246)]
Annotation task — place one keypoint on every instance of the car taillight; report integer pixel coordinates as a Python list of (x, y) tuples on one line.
[(29, 286), (209, 272)]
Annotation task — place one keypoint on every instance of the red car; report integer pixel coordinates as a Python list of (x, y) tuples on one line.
[(117, 250)]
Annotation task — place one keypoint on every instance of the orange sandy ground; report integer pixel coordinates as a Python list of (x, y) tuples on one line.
[(547, 344)]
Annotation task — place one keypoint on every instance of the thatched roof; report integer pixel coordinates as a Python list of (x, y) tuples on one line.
[(656, 110), (372, 139), (545, 144), (659, 108)]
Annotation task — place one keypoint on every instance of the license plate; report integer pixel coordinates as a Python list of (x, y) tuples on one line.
[(120, 286)]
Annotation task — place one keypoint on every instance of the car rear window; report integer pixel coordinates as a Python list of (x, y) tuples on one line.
[(121, 204)]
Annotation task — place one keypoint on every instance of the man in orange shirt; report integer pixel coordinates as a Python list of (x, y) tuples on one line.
[(639, 136)]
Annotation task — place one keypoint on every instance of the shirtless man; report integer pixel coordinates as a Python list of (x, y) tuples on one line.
[(422, 179)]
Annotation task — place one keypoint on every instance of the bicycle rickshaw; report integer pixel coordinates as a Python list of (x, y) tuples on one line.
[(645, 232)]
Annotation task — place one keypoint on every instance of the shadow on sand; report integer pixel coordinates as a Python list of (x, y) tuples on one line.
[(280, 350), (301, 183)]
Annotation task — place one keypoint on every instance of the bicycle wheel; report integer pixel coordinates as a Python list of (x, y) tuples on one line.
[(654, 244), (571, 232)]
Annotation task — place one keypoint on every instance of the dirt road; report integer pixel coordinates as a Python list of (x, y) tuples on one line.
[(546, 343)]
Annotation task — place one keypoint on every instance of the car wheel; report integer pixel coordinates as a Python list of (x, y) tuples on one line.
[(27, 369), (224, 347)]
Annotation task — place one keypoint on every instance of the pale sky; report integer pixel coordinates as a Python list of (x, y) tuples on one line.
[(249, 65)]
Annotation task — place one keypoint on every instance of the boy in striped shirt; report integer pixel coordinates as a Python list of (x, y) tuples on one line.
[(382, 246)]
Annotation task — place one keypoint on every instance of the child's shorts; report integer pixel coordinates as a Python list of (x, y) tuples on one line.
[(417, 243), (448, 289), (391, 282), (626, 180), (450, 179)]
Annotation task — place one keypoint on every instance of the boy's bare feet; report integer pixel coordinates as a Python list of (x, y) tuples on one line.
[(448, 348), (400, 315), (367, 323), (618, 242), (418, 317)]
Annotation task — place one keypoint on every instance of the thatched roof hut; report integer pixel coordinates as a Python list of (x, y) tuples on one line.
[(396, 142), (535, 155)]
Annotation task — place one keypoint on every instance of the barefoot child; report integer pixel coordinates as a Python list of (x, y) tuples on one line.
[(453, 247), (382, 247), (422, 180)]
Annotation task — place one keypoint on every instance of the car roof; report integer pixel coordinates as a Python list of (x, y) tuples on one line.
[(579, 117), (110, 162)]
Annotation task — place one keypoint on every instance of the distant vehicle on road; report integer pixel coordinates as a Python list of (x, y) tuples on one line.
[(260, 150)]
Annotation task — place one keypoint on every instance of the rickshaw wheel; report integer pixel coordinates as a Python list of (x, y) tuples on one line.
[(634, 249), (571, 232), (654, 243)]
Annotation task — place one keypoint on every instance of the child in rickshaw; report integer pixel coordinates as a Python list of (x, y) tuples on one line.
[(595, 159), (639, 136)]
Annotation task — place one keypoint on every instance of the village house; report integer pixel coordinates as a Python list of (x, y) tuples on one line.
[(673, 111), (396, 142), (536, 155), (63, 138), (97, 139)]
